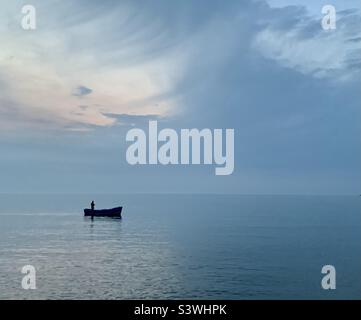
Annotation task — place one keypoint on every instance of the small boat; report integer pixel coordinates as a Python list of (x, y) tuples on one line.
[(112, 213)]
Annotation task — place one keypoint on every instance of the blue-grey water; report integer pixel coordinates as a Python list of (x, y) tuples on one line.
[(181, 247)]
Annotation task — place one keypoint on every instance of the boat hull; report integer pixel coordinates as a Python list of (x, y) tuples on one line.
[(112, 213)]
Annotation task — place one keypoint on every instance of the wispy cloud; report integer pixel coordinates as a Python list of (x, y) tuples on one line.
[(307, 48), (118, 51), (81, 91), (264, 71), (141, 58)]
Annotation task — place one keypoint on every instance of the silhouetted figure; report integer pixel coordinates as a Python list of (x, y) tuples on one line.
[(92, 205)]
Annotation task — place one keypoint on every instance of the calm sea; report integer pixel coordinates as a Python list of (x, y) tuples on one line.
[(181, 247)]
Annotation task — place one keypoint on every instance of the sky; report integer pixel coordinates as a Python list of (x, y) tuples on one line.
[(71, 89)]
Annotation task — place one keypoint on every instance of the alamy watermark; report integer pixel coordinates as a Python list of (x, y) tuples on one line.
[(28, 21), (175, 148), (329, 280), (29, 280), (329, 20)]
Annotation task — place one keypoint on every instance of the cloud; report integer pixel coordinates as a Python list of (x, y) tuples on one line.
[(310, 50), (118, 48), (81, 91), (141, 58), (203, 64), (133, 120), (315, 6)]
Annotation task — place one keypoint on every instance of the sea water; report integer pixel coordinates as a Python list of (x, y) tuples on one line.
[(181, 247)]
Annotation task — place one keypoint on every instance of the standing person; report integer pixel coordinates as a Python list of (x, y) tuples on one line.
[(92, 205)]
